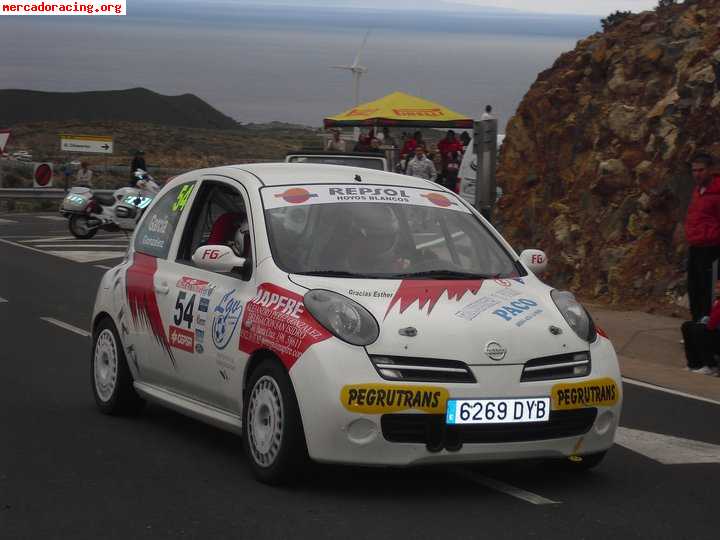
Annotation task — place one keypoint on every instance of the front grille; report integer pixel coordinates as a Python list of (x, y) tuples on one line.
[(430, 429), (560, 366), (402, 368)]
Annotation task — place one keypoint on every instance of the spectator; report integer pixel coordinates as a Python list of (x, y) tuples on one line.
[(375, 147), (420, 166), (138, 162), (451, 168), (465, 139), (363, 143), (488, 114), (702, 231), (67, 173), (84, 175), (410, 144), (386, 138), (702, 342), (447, 145), (335, 143)]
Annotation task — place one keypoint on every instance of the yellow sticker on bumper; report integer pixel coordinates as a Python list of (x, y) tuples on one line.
[(381, 398), (595, 393)]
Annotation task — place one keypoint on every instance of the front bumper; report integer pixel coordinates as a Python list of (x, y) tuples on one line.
[(390, 437)]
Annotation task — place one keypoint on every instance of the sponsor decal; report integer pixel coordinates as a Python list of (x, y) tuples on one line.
[(208, 291), (204, 305), (191, 284), (503, 282), (430, 291), (225, 319), (434, 112), (181, 339), (199, 348), (381, 398), (485, 303), (182, 197), (370, 294), (595, 393), (495, 351), (362, 112), (200, 320), (296, 195), (140, 290), (438, 199), (276, 319), (213, 254), (521, 306), (199, 335)]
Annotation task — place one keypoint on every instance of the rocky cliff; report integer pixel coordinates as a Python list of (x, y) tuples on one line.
[(594, 165)]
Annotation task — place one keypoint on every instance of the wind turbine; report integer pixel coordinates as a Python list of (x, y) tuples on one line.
[(356, 69)]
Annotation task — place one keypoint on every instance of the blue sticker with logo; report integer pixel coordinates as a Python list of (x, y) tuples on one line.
[(204, 304), (226, 317), (522, 306)]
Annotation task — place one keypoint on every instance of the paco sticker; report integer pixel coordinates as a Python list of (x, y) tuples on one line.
[(380, 398), (595, 393)]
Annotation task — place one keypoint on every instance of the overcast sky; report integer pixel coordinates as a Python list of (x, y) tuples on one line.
[(585, 7)]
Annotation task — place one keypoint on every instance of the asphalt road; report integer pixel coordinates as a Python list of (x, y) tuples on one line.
[(66, 471)]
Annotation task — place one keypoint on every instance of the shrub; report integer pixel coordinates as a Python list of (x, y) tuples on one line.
[(614, 19)]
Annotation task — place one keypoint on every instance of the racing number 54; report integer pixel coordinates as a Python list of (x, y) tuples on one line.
[(184, 309)]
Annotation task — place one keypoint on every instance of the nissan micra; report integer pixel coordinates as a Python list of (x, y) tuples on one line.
[(350, 316)]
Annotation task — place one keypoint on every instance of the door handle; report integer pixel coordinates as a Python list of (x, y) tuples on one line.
[(162, 288)]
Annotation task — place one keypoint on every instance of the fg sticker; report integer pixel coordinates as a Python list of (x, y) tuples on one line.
[(381, 398), (594, 393), (225, 319)]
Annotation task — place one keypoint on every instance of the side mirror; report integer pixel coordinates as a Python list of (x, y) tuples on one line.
[(220, 259), (535, 260)]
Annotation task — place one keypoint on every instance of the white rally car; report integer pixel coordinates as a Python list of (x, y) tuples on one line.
[(351, 316)]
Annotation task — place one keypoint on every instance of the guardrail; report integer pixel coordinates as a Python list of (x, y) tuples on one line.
[(41, 194)]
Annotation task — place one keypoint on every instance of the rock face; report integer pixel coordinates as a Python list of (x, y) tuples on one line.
[(594, 166)]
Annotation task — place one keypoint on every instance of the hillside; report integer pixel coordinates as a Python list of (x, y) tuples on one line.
[(132, 105), (594, 165)]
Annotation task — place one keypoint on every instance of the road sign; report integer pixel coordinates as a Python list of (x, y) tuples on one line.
[(4, 136), (96, 144), (42, 175)]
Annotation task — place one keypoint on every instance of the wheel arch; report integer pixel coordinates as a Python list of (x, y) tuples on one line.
[(256, 358)]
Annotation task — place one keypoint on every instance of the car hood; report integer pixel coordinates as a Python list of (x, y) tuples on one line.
[(459, 319)]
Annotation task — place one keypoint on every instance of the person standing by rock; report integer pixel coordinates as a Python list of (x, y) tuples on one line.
[(84, 175), (702, 231)]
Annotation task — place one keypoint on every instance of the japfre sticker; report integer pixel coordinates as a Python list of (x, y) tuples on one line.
[(373, 398), (595, 393), (285, 196)]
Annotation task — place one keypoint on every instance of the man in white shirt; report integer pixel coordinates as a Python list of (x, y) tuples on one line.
[(84, 175), (420, 166), (335, 143)]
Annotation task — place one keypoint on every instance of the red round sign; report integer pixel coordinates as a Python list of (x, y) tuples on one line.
[(43, 174)]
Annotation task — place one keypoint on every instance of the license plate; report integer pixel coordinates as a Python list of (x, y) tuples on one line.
[(497, 411)]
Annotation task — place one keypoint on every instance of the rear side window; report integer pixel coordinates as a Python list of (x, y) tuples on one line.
[(157, 229)]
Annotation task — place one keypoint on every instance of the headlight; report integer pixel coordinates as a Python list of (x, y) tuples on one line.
[(343, 317), (575, 314)]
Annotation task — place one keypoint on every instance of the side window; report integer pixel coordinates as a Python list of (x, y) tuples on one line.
[(219, 217), (157, 229)]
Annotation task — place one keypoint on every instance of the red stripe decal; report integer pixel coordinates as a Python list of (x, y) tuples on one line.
[(430, 291)]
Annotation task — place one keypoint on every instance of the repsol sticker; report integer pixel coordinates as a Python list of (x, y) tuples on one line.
[(595, 393), (379, 398)]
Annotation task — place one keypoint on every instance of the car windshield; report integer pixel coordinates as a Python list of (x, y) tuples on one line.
[(348, 161), (332, 231)]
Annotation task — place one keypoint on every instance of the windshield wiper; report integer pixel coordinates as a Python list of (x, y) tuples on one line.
[(446, 274)]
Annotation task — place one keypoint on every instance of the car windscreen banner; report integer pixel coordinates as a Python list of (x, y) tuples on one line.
[(285, 196)]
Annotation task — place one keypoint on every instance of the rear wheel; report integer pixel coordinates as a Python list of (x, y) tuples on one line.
[(80, 228), (112, 381), (273, 435)]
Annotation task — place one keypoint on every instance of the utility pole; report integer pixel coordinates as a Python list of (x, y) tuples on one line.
[(485, 143)]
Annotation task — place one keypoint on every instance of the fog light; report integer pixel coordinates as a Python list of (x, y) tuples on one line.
[(362, 431)]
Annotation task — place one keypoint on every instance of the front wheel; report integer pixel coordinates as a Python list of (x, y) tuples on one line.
[(273, 435), (80, 228), (112, 382)]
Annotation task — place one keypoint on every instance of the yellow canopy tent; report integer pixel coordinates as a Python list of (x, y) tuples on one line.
[(400, 109)]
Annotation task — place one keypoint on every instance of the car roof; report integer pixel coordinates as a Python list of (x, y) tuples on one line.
[(280, 174)]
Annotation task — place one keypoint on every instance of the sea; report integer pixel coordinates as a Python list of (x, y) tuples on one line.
[(262, 63)]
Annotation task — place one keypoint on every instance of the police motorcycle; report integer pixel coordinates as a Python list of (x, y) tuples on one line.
[(90, 212)]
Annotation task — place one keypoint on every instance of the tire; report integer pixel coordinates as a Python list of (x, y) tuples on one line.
[(273, 436), (79, 228), (111, 380), (583, 463)]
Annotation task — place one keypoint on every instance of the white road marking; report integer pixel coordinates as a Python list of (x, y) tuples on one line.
[(669, 391), (48, 239), (52, 218), (66, 326), (497, 485), (78, 245), (2, 300), (2, 221), (87, 256), (103, 267), (21, 245), (667, 449)]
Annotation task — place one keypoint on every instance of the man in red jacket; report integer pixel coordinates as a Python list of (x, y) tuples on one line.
[(702, 230)]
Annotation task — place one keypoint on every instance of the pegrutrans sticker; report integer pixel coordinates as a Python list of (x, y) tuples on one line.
[(384, 398), (284, 196), (276, 319), (594, 393)]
